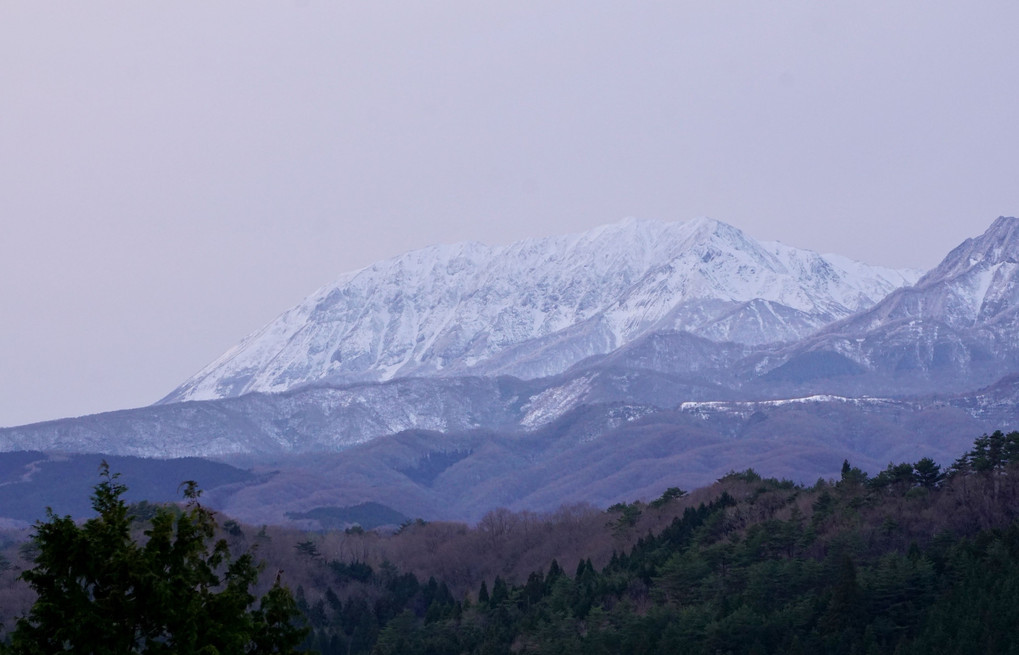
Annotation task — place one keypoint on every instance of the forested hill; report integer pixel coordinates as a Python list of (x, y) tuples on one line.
[(917, 559), (913, 560)]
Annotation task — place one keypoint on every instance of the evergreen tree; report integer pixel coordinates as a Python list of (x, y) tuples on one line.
[(927, 473), (101, 592)]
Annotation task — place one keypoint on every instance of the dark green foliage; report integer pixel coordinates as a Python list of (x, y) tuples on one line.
[(907, 561), (101, 591), (670, 494), (927, 473), (978, 613), (852, 475), (990, 453), (769, 568), (354, 571), (274, 623), (308, 548), (628, 515), (232, 528), (896, 479)]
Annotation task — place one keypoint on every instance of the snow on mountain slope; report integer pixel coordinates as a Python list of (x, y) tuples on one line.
[(319, 419), (536, 307), (956, 328), (976, 282)]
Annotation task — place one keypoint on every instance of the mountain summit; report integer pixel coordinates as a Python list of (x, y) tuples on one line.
[(997, 247), (675, 358), (957, 328), (536, 307)]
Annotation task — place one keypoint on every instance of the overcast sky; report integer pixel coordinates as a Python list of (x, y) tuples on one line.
[(173, 175)]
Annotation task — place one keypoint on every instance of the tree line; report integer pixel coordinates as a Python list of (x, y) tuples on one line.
[(913, 559)]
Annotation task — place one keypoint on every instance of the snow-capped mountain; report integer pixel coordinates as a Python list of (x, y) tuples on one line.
[(690, 377), (976, 285), (536, 307), (957, 328)]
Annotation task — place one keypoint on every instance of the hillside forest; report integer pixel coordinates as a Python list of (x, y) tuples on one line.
[(919, 558)]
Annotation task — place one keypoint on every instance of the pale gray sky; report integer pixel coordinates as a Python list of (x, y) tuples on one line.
[(174, 175)]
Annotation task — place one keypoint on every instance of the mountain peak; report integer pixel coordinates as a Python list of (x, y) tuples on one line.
[(1002, 239), (704, 224), (1004, 222), (998, 245), (955, 327), (535, 307), (704, 227)]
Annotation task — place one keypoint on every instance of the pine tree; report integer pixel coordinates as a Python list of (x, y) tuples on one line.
[(101, 592), (927, 473)]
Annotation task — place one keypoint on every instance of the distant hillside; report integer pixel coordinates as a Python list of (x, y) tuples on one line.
[(32, 481), (920, 557)]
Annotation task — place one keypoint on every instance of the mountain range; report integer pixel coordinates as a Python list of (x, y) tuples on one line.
[(534, 308), (594, 366)]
